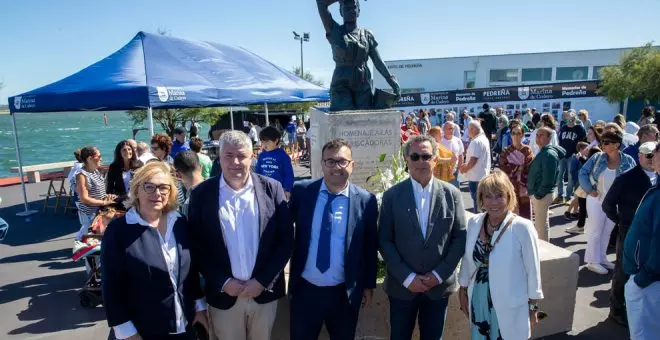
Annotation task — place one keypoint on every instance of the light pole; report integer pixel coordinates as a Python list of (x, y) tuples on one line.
[(303, 38)]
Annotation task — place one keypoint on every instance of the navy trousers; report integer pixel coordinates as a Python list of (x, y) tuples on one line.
[(312, 306)]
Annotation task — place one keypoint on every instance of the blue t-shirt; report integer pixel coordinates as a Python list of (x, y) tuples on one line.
[(178, 147), (276, 164), (291, 128)]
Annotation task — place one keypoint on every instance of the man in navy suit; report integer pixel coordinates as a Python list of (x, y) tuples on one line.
[(333, 268), (242, 238)]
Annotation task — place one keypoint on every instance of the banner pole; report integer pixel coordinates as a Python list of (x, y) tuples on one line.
[(27, 211)]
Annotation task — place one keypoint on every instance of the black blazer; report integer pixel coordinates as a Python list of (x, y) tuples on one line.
[(136, 283), (210, 251), (114, 183), (361, 248)]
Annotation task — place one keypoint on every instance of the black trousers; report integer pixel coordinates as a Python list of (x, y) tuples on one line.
[(312, 306), (582, 212), (429, 314), (619, 278)]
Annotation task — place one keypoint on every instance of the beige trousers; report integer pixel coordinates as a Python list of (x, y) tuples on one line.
[(245, 320), (541, 222)]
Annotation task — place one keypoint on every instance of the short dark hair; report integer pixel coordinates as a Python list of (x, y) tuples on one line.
[(186, 162), (180, 131), (196, 144), (270, 133), (335, 144), (163, 141), (581, 146), (613, 136)]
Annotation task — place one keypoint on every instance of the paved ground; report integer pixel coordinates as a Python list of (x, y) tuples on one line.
[(39, 283)]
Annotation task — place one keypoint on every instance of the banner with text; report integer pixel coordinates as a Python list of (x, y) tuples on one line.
[(502, 94)]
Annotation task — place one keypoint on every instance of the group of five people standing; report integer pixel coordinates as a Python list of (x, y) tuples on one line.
[(239, 235)]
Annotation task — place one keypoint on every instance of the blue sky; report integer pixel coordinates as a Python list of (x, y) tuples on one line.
[(45, 40)]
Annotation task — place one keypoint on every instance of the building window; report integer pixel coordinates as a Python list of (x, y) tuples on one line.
[(537, 74), (470, 79), (596, 74), (504, 76), (415, 90), (572, 73)]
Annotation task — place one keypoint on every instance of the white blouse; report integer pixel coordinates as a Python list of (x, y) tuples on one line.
[(169, 249)]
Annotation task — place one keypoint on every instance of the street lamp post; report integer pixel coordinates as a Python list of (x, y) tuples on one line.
[(303, 38)]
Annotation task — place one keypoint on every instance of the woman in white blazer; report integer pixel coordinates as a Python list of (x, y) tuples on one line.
[(500, 273)]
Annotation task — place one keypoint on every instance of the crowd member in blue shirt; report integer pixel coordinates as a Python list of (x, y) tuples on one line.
[(273, 161), (180, 143), (291, 131)]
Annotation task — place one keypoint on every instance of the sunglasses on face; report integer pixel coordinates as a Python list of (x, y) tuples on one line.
[(416, 157), (331, 163), (151, 188), (649, 156), (98, 156), (608, 142)]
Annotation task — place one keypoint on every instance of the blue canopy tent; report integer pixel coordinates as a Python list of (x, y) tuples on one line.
[(155, 71)]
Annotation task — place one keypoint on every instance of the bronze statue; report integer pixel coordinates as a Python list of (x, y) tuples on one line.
[(350, 88)]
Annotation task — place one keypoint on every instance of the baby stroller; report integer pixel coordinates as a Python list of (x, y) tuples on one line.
[(89, 249)]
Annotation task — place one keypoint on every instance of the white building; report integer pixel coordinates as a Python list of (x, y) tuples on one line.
[(524, 69)]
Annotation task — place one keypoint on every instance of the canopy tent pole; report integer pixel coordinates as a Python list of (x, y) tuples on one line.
[(231, 117), (150, 121), (267, 120), (27, 211)]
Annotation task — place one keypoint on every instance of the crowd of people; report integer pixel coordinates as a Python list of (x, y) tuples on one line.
[(206, 242), (606, 172)]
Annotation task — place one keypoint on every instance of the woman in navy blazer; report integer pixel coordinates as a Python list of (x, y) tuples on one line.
[(150, 284)]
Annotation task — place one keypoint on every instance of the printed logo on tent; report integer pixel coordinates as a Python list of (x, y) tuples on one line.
[(425, 98), (171, 94), (25, 102), (162, 93), (523, 92)]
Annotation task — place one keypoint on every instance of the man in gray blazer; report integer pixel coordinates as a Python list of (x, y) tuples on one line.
[(422, 231)]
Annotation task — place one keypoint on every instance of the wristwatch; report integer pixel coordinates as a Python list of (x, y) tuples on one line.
[(533, 307)]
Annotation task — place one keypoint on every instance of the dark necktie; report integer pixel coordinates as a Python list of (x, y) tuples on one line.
[(323, 252)]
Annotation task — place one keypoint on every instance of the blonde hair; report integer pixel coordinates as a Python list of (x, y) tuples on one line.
[(497, 182), (143, 175), (584, 113)]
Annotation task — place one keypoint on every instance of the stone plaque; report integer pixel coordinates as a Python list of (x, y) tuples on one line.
[(370, 134)]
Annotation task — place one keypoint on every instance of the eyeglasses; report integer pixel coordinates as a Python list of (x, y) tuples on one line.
[(151, 188), (425, 157), (331, 163), (649, 155), (608, 142)]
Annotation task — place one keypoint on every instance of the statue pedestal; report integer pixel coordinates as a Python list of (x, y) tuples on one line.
[(370, 134)]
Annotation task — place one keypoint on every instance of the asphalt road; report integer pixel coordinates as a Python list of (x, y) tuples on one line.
[(39, 283)]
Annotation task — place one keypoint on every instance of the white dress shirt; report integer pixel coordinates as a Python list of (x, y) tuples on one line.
[(335, 274), (239, 217), (169, 248), (423, 204)]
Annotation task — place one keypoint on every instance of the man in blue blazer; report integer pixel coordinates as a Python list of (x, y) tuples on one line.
[(333, 268), (242, 237)]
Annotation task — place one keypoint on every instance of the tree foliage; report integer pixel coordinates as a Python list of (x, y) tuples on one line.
[(170, 119), (298, 107), (637, 76)]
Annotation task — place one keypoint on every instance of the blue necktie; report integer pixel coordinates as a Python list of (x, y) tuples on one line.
[(323, 252)]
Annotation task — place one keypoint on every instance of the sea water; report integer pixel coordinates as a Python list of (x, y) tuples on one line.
[(52, 137)]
